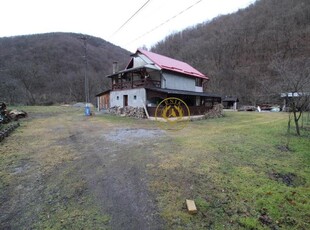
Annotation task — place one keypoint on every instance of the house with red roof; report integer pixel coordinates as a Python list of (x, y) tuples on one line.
[(149, 78)]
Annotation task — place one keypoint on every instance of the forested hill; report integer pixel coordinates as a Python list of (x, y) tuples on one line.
[(49, 68), (245, 53), (248, 54)]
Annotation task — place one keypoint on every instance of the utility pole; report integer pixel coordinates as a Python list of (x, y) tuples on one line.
[(86, 81)]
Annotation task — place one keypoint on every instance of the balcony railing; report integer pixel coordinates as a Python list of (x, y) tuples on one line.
[(143, 83)]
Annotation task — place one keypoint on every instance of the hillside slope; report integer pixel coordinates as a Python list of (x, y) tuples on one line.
[(243, 52), (50, 68)]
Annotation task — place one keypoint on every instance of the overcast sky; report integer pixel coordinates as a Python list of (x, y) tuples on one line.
[(104, 18)]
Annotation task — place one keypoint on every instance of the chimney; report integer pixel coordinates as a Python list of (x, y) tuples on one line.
[(115, 67)]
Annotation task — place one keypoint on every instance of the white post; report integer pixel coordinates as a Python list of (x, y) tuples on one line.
[(235, 105), (145, 109)]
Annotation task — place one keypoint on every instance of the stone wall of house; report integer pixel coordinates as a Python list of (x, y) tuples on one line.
[(128, 111), (135, 97)]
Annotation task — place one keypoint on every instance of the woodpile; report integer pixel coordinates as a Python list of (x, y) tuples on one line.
[(116, 110), (134, 112), (17, 114), (247, 108), (7, 116), (5, 132), (128, 111), (215, 112)]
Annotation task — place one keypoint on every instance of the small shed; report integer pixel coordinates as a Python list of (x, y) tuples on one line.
[(103, 100), (297, 96), (230, 102)]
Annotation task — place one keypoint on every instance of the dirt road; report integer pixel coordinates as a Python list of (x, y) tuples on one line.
[(64, 170)]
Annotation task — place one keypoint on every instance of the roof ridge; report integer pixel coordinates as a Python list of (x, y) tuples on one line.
[(172, 64)]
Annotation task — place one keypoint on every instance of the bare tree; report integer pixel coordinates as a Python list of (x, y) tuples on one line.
[(29, 77), (294, 81)]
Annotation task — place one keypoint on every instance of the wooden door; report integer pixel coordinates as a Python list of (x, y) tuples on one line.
[(125, 100)]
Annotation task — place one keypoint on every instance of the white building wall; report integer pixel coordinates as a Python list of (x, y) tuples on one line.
[(136, 97), (179, 82), (141, 60), (198, 89)]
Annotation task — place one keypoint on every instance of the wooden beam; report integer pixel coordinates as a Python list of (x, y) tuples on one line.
[(145, 109), (191, 207)]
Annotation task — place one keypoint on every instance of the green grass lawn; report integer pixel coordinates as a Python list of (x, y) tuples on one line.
[(238, 173)]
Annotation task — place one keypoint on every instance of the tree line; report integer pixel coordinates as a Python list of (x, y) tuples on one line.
[(244, 53), (50, 68)]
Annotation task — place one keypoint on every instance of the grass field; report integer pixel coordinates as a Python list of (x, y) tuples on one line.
[(40, 188), (236, 168), (237, 171)]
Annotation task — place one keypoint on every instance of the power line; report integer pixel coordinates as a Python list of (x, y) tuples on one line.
[(131, 17), (165, 22)]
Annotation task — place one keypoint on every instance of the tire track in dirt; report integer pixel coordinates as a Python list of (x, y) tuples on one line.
[(109, 158), (114, 164)]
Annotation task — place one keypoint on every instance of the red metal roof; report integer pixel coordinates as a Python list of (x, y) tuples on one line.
[(171, 64)]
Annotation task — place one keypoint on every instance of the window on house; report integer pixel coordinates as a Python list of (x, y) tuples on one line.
[(135, 97), (199, 82)]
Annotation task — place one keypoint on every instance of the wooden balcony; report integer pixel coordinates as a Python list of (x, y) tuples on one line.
[(143, 83)]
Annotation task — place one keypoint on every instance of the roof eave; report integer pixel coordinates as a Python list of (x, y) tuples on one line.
[(102, 93), (185, 92), (187, 73), (148, 66)]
